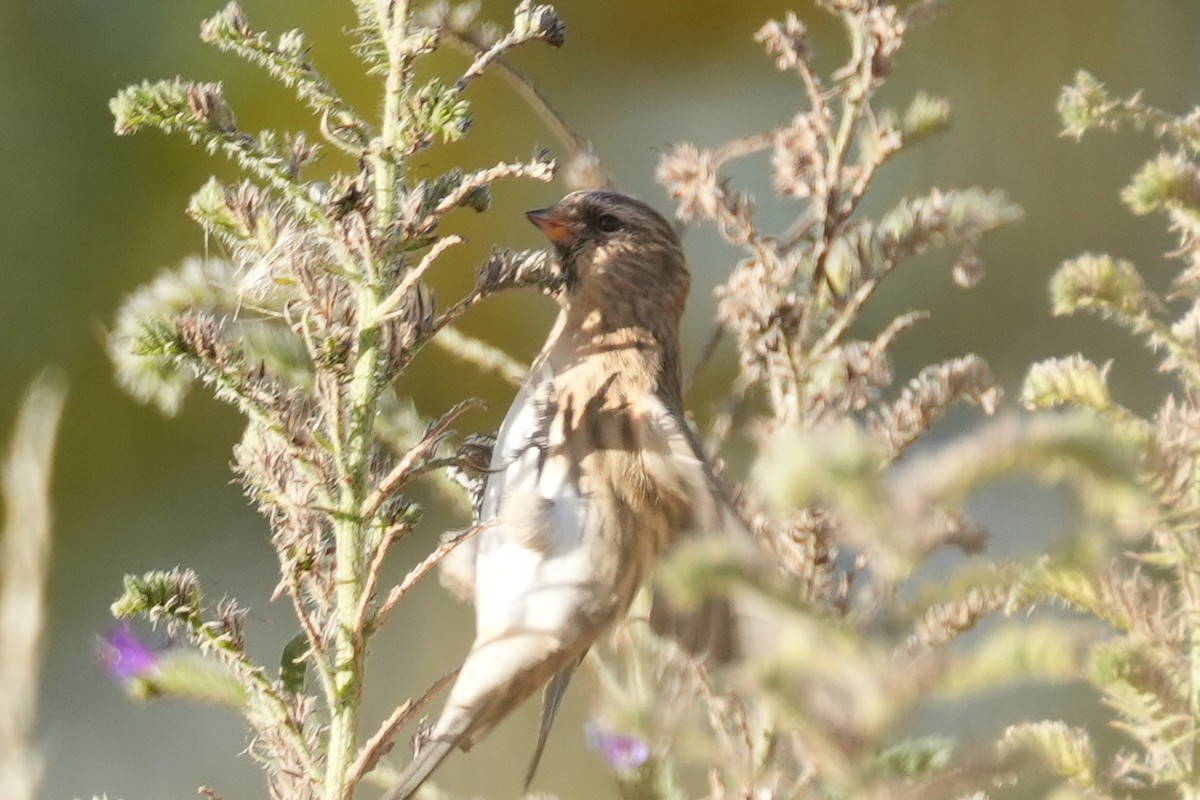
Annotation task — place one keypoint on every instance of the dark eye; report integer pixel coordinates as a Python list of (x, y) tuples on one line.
[(609, 224)]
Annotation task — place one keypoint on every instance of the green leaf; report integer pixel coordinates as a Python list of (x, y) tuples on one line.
[(287, 60), (1045, 650), (438, 110), (925, 116), (292, 664), (1064, 583), (173, 105), (187, 675), (937, 219), (160, 594), (1083, 105)]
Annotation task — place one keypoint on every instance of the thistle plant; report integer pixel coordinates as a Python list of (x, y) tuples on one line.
[(319, 303), (1148, 668)]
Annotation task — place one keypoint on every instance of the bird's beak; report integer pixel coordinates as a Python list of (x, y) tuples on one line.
[(551, 223)]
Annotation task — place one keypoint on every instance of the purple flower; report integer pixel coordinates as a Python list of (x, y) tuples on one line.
[(624, 752), (124, 655)]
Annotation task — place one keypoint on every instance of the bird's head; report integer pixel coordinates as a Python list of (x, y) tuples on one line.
[(610, 243)]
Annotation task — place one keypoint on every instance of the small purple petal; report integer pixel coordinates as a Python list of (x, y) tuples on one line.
[(124, 655), (624, 752)]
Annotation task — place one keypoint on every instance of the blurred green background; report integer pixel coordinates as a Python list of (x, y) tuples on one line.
[(88, 217)]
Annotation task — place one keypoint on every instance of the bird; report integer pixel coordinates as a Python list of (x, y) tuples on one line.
[(594, 473)]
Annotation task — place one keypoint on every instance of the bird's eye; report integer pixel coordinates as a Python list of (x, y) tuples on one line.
[(609, 224)]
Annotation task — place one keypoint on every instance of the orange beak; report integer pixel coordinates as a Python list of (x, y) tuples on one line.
[(549, 222)]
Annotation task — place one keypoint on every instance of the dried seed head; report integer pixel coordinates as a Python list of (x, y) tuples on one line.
[(968, 270), (690, 177), (586, 172), (793, 157), (787, 41), (206, 101)]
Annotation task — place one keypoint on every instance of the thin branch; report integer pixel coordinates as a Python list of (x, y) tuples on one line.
[(373, 572), (575, 144), (847, 315), (484, 58), (420, 570), (538, 169), (316, 643), (399, 476), (710, 349), (381, 743), (389, 304), (738, 148)]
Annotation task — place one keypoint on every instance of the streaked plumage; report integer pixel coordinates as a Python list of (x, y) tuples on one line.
[(594, 472)]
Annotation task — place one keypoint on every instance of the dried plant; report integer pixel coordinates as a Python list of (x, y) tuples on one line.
[(1146, 670)]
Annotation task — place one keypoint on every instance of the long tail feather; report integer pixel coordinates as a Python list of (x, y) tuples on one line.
[(551, 699), (424, 763)]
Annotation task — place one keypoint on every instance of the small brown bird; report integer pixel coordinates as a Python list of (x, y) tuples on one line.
[(593, 474)]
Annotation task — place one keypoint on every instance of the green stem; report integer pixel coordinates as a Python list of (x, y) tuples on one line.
[(393, 26), (352, 540), (350, 545)]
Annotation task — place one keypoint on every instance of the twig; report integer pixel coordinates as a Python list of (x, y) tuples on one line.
[(537, 169), (710, 349), (576, 145), (385, 309), (381, 743), (484, 58), (372, 579), (738, 148), (896, 327), (420, 570), (846, 315), (399, 474)]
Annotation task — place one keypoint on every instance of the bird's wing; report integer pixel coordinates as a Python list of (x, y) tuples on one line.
[(713, 512), (714, 628), (532, 573), (457, 568), (516, 650)]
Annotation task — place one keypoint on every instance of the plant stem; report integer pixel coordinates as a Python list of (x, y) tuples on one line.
[(350, 539), (352, 528), (393, 27)]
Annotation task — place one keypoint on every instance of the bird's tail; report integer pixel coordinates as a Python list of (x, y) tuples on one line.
[(550, 700), (433, 752)]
